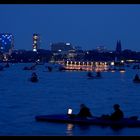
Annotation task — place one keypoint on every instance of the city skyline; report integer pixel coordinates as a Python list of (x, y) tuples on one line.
[(85, 25)]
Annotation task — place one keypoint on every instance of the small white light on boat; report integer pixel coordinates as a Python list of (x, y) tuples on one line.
[(79, 63), (122, 61), (112, 63), (69, 111), (130, 60), (112, 70), (122, 71), (67, 62)]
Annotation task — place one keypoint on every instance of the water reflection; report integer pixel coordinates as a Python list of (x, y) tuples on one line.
[(69, 131), (116, 130)]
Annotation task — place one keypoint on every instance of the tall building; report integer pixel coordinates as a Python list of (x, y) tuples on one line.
[(61, 47), (118, 51), (6, 43), (36, 42), (118, 47)]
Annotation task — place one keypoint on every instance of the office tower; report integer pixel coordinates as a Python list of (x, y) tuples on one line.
[(36, 42), (61, 47), (118, 47)]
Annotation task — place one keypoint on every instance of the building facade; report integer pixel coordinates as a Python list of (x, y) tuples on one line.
[(36, 42), (6, 43), (61, 48), (118, 47)]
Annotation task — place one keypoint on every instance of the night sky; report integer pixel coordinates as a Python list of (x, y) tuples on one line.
[(85, 25)]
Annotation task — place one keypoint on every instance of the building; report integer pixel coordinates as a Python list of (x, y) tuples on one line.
[(36, 42), (118, 47), (6, 43), (101, 49), (118, 51), (62, 48)]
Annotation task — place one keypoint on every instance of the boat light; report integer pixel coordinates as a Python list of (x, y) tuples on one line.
[(112, 63), (69, 111), (122, 61)]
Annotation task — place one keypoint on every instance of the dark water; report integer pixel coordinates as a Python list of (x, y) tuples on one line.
[(21, 101)]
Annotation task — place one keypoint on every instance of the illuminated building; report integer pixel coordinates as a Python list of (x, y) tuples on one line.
[(6, 43), (36, 42), (61, 47)]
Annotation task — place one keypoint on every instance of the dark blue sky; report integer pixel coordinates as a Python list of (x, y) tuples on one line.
[(85, 25)]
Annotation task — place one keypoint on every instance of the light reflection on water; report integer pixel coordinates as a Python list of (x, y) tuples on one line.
[(70, 128)]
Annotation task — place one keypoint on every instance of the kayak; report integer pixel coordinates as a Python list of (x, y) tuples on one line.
[(125, 122)]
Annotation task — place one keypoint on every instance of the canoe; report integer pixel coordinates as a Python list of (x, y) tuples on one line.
[(125, 122)]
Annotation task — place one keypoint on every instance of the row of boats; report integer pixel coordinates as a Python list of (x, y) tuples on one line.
[(34, 77)]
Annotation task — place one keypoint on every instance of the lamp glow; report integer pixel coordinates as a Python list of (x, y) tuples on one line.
[(69, 111), (112, 63)]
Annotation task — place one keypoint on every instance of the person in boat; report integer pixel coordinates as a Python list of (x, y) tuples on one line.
[(84, 112), (117, 114), (34, 77), (136, 78)]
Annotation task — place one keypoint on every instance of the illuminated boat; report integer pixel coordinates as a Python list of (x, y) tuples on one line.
[(125, 122)]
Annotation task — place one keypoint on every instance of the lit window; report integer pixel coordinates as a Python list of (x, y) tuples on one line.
[(35, 37), (34, 47), (35, 41), (34, 50)]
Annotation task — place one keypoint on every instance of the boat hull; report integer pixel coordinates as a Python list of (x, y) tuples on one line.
[(126, 122)]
